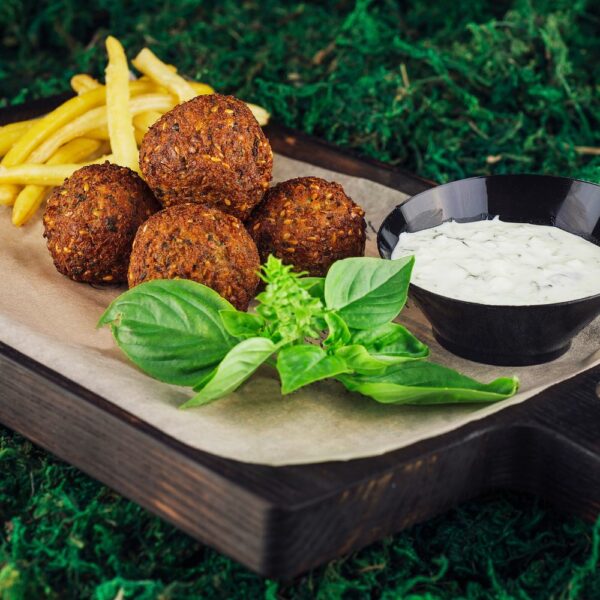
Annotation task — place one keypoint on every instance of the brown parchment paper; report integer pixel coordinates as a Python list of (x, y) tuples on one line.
[(52, 319)]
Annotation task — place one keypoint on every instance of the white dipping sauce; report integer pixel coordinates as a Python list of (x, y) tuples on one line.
[(492, 262)]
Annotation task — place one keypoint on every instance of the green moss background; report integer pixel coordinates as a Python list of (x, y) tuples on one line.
[(446, 89)]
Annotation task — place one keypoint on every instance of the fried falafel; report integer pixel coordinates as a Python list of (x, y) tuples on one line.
[(191, 241), (91, 220), (310, 223), (209, 150)]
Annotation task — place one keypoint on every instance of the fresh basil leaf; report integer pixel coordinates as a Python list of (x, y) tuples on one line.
[(235, 368), (339, 333), (315, 286), (427, 383), (208, 375), (358, 359), (390, 340), (242, 324), (364, 362), (171, 329), (301, 365), (368, 292)]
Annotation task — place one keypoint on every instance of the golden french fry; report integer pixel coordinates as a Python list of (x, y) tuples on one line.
[(27, 202), (92, 120), (143, 85), (84, 83), (260, 114), (26, 173), (139, 136), (149, 64), (138, 87), (120, 122), (145, 120), (31, 174), (8, 193), (171, 68), (97, 118), (155, 87), (53, 121), (31, 196), (10, 133), (102, 153), (201, 89), (45, 127), (75, 151), (152, 102), (99, 133)]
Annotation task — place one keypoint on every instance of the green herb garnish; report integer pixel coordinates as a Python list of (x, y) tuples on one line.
[(308, 328)]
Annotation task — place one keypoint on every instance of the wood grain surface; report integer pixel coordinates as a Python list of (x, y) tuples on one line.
[(281, 521)]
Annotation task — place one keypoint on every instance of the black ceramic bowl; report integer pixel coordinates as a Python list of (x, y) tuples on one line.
[(497, 334)]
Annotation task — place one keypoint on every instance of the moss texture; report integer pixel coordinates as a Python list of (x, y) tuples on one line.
[(447, 89)]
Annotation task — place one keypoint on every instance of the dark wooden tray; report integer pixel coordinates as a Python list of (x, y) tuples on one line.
[(281, 521)]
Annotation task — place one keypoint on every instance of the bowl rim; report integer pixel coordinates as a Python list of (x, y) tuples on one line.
[(497, 176), (480, 304)]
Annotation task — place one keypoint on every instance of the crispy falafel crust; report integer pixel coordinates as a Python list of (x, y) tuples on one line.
[(310, 223), (209, 150), (191, 241), (91, 220)]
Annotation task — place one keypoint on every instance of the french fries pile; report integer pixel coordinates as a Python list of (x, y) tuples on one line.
[(103, 122)]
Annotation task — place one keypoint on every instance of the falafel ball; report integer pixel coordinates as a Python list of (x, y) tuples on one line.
[(191, 241), (91, 220), (310, 223), (209, 150)]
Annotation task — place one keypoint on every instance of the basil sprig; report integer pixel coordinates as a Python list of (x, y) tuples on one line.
[(171, 329), (308, 328)]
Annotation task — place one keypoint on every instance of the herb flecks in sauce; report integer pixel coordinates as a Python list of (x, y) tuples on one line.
[(493, 262)]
